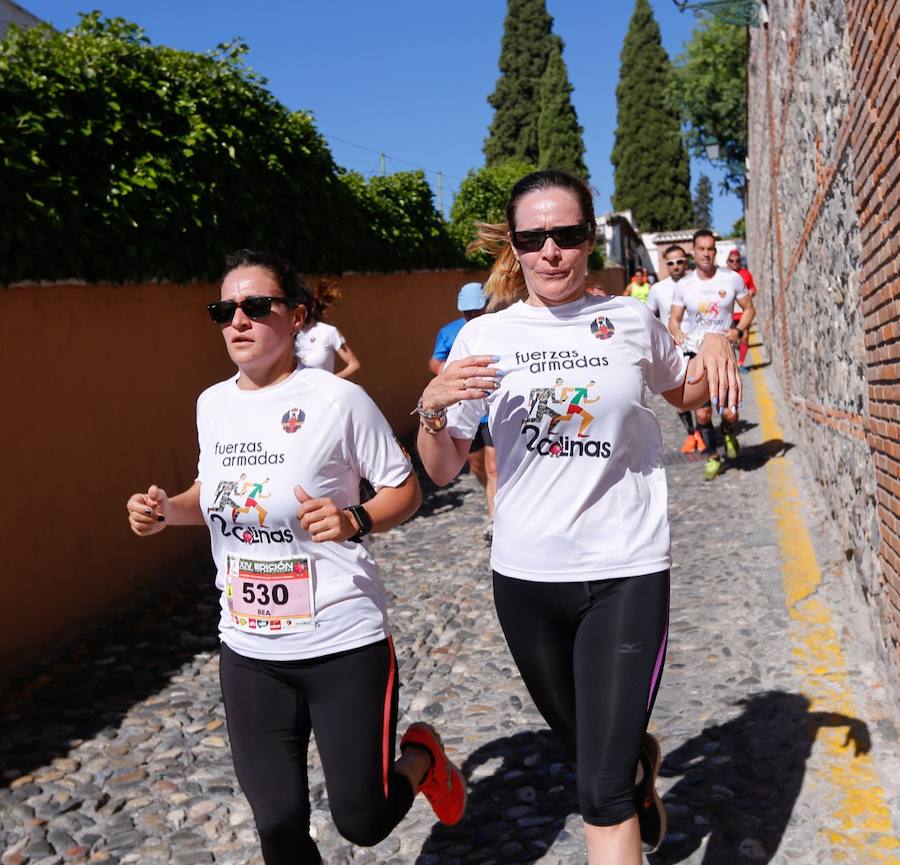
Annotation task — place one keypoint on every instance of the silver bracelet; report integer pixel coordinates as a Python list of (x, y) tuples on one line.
[(427, 414)]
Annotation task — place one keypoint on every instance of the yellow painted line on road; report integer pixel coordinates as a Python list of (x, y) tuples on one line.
[(849, 786)]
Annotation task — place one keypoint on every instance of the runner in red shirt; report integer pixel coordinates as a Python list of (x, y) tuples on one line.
[(734, 262)]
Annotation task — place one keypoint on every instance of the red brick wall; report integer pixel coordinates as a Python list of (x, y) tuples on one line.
[(875, 120), (823, 217)]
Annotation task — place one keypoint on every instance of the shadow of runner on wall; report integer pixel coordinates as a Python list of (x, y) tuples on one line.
[(521, 790), (740, 780), (92, 687)]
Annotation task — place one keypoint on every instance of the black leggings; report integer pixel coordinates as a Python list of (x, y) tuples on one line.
[(591, 655), (350, 700)]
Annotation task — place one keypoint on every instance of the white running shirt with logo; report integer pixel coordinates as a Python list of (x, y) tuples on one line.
[(323, 433), (581, 493), (317, 344), (708, 303)]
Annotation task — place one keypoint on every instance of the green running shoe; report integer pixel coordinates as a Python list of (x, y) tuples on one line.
[(732, 446), (714, 466)]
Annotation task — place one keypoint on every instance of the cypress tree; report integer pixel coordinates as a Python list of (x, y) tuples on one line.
[(652, 169), (526, 43), (560, 144), (703, 203)]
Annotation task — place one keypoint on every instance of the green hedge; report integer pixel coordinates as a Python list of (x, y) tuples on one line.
[(126, 161)]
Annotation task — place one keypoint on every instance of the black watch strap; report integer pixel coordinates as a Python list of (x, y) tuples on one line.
[(361, 515)]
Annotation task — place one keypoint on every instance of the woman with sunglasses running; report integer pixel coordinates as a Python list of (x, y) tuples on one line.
[(305, 643), (581, 540)]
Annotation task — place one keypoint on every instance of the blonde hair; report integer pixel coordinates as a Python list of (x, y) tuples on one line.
[(506, 284)]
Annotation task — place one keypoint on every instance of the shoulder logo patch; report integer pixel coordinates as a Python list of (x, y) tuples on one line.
[(292, 420), (602, 327)]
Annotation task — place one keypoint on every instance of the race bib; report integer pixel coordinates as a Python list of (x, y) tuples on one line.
[(270, 596)]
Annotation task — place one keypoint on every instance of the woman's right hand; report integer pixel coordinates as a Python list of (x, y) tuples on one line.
[(468, 378), (147, 511)]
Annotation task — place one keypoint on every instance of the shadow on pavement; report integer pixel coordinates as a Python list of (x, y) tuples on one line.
[(740, 780), (521, 790), (753, 457), (97, 681)]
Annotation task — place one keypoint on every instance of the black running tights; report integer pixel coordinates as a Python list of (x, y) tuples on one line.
[(350, 701), (591, 655)]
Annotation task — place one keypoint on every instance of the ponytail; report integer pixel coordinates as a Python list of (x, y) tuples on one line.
[(506, 284)]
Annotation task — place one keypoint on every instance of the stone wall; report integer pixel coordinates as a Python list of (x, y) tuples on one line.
[(824, 159)]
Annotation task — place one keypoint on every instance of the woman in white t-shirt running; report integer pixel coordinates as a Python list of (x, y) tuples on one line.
[(317, 342), (581, 551), (303, 623)]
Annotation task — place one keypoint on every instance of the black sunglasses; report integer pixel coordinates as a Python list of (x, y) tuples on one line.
[(565, 237), (255, 307), (673, 261)]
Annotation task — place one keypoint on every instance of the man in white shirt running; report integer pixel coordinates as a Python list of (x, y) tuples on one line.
[(703, 303), (659, 302)]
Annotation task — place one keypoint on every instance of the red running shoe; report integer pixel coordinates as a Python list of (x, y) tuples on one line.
[(689, 445), (444, 786), (701, 445)]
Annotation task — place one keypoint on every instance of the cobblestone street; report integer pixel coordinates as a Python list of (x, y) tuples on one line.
[(780, 741)]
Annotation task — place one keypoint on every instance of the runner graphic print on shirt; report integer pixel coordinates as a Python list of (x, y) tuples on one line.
[(556, 443)]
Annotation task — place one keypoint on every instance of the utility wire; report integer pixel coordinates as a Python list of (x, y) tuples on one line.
[(389, 156)]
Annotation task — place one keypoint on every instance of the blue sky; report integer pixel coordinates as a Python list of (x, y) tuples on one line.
[(407, 78)]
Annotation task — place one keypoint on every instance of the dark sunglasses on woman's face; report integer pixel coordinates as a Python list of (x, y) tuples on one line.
[(734, 261), (256, 306), (673, 262), (565, 237)]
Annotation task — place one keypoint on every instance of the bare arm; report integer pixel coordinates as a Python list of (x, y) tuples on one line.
[(442, 455), (348, 357), (150, 512), (676, 316), (435, 365), (469, 378), (747, 316), (389, 507)]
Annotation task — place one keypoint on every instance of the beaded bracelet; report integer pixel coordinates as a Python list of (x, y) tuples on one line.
[(431, 421)]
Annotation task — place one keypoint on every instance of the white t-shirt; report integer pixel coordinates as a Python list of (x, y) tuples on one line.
[(323, 433), (660, 298), (708, 303), (316, 345), (585, 500)]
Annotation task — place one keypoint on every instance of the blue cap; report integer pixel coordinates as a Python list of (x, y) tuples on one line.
[(471, 297)]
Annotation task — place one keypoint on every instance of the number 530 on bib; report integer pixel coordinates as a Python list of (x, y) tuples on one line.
[(270, 595)]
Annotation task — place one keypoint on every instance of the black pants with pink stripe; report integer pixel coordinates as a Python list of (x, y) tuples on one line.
[(349, 700), (591, 655)]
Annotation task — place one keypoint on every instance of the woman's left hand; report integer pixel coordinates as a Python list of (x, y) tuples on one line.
[(716, 359), (323, 519)]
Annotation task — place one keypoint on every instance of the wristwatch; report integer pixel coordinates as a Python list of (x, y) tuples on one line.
[(363, 520)]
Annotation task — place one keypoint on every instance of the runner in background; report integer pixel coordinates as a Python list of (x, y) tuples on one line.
[(734, 262), (482, 460), (703, 304), (639, 287), (659, 302), (303, 619), (318, 342)]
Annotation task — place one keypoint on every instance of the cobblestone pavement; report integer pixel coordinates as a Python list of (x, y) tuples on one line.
[(118, 753)]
